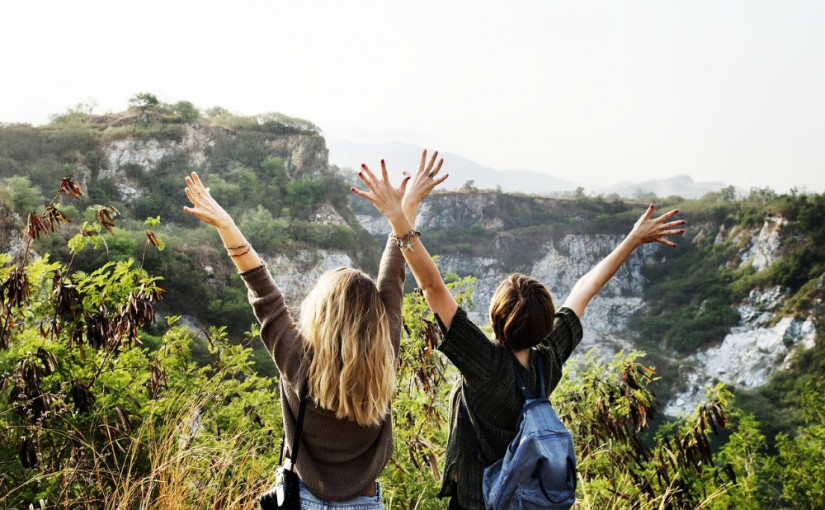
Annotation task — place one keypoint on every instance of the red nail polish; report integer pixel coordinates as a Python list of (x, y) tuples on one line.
[(677, 211), (382, 161), (682, 231), (364, 166)]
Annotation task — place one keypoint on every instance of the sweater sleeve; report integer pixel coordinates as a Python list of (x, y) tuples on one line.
[(390, 288), (279, 332)]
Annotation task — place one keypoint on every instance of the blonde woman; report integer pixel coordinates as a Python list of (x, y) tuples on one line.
[(523, 317), (344, 348)]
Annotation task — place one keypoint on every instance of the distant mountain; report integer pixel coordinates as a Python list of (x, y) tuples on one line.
[(403, 156), (681, 185), (349, 154)]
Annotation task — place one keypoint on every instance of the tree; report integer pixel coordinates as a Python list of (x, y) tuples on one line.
[(144, 102), (21, 194)]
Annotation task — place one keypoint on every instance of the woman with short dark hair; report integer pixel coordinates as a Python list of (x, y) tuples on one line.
[(523, 316)]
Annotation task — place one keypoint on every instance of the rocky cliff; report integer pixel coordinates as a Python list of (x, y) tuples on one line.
[(765, 340)]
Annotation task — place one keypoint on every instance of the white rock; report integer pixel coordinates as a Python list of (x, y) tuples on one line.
[(764, 247), (297, 275)]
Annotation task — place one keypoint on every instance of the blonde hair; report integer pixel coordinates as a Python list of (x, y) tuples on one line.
[(347, 332)]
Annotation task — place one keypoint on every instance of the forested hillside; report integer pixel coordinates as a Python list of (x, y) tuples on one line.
[(130, 371)]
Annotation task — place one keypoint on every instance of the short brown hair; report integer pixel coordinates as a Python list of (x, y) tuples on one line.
[(522, 312)]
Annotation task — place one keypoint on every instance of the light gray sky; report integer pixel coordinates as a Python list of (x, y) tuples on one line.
[(596, 92)]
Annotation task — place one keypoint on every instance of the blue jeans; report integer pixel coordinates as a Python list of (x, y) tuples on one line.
[(310, 502)]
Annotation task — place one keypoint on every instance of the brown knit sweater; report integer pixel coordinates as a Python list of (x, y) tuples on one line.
[(338, 459)]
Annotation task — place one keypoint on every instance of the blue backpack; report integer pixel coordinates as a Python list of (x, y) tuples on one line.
[(539, 468)]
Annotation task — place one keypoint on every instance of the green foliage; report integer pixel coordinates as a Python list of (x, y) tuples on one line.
[(263, 230), (424, 380), (186, 111), (691, 307), (302, 195), (91, 418), (18, 192)]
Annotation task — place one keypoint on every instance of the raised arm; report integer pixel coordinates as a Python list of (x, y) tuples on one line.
[(399, 206), (646, 230), (279, 332), (210, 211)]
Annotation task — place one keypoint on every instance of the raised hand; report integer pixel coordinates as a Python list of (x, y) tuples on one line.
[(386, 198), (648, 230), (205, 207), (210, 211), (421, 183)]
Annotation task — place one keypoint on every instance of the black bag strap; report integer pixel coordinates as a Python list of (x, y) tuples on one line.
[(471, 428), (299, 425)]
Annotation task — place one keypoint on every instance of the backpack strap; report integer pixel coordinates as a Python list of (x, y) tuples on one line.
[(299, 425), (538, 361)]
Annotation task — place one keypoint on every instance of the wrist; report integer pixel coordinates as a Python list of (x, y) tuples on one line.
[(226, 226), (410, 211), (396, 216), (634, 239)]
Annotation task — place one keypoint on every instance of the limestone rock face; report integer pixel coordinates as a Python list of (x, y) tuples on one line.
[(764, 342), (297, 275), (760, 345), (460, 211), (764, 246), (562, 264), (11, 233), (305, 154)]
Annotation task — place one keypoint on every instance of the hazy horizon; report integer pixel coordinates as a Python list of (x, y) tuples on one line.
[(596, 92)]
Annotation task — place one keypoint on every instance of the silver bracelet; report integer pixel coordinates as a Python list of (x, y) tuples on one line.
[(404, 241)]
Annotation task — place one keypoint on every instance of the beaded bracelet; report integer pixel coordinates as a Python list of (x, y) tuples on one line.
[(404, 241)]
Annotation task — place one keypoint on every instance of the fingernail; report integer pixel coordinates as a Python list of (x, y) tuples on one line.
[(682, 231), (360, 174), (651, 206), (352, 189), (364, 166), (677, 211), (683, 222), (382, 161)]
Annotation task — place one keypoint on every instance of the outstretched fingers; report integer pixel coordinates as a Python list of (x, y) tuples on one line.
[(666, 242), (367, 176), (422, 163), (384, 176), (361, 193), (666, 216), (672, 224), (432, 162), (648, 213)]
